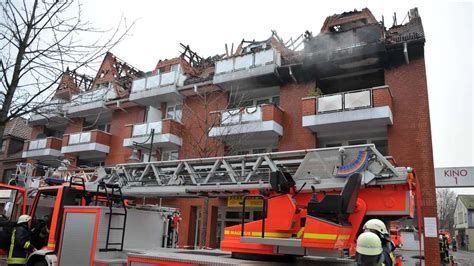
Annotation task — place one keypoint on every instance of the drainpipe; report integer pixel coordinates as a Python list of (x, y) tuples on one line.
[(120, 107), (405, 53), (292, 75)]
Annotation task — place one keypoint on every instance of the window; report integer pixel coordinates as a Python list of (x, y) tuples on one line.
[(262, 101), (255, 151), (460, 220), (169, 155), (144, 157), (174, 112), (104, 127), (255, 102), (331, 145), (175, 68), (4, 144), (276, 100), (380, 144), (357, 142)]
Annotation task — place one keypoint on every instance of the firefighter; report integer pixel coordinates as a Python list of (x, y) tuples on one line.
[(378, 227), (443, 250), (454, 244), (20, 244), (369, 250)]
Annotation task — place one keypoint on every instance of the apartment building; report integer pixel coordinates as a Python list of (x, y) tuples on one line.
[(354, 82)]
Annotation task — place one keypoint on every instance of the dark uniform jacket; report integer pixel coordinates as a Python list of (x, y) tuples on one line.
[(20, 245)]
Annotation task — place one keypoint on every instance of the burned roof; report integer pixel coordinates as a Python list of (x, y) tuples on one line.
[(413, 30)]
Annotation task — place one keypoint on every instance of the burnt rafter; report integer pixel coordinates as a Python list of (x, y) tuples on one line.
[(195, 60), (124, 73), (82, 82)]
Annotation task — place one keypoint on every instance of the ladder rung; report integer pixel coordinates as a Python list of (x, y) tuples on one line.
[(110, 249), (116, 213), (110, 244), (117, 228)]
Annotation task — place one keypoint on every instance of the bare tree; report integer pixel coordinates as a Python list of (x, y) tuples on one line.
[(213, 103), (39, 40), (446, 201)]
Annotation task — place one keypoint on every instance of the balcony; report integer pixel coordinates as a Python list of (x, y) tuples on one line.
[(92, 144), (346, 52), (158, 88), (168, 134), (255, 68), (43, 149), (250, 127), (52, 113), (90, 103), (364, 111)]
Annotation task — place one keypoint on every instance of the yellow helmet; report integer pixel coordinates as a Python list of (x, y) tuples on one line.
[(369, 244), (376, 225), (24, 219)]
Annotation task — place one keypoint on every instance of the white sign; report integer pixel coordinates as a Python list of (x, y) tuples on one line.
[(454, 177), (431, 229), (5, 193)]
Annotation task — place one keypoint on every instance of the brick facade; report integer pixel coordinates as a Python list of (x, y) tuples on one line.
[(295, 136), (409, 138)]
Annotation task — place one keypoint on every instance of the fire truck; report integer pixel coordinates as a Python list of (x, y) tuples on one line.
[(314, 204)]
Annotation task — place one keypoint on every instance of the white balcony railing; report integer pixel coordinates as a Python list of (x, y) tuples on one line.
[(37, 144), (241, 115), (103, 94), (345, 101), (78, 138), (145, 129), (158, 80), (248, 61)]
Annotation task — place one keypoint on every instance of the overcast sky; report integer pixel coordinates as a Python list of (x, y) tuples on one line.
[(208, 25)]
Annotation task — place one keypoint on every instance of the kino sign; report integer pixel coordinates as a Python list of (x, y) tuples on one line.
[(454, 177)]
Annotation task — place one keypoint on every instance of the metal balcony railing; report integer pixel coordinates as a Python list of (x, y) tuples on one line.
[(157, 81), (79, 138), (102, 94), (345, 101), (241, 115), (248, 61), (37, 144), (145, 129)]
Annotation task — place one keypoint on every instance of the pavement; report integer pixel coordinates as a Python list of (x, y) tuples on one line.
[(461, 257)]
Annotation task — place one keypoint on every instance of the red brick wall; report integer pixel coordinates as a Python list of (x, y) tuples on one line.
[(382, 97), (170, 126), (119, 153), (36, 130), (409, 138), (272, 112), (54, 143), (309, 106), (295, 136), (100, 137), (196, 143)]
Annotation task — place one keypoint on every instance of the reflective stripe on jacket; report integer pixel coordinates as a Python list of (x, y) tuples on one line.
[(20, 245)]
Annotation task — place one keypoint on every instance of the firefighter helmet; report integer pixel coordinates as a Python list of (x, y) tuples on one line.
[(376, 225), (369, 244), (24, 219)]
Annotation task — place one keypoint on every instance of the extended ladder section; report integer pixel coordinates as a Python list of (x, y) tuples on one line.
[(114, 199), (324, 168)]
